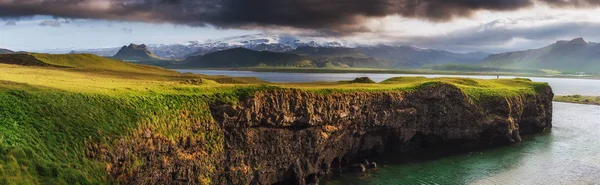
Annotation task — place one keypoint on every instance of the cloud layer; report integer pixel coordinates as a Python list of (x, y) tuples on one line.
[(334, 16), (509, 34)]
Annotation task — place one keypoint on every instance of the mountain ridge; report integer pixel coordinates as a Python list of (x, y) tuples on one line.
[(5, 51), (564, 55), (413, 57), (260, 42), (243, 57)]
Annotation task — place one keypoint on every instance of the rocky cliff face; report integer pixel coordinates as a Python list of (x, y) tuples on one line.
[(294, 136)]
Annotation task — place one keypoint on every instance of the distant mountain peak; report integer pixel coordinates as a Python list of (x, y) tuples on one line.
[(135, 52), (5, 51), (576, 41), (137, 47)]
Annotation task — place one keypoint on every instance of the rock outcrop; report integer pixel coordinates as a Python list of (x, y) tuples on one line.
[(135, 52), (294, 136)]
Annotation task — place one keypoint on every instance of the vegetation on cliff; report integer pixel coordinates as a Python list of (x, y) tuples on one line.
[(83, 119)]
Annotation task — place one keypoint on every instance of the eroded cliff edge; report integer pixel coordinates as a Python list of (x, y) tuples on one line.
[(292, 136)]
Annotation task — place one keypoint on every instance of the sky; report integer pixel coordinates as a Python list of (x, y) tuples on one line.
[(455, 25), (40, 33)]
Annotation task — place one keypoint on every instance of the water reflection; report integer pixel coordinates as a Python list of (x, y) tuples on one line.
[(567, 155)]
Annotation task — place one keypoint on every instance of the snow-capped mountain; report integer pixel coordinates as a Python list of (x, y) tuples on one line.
[(278, 43), (259, 42), (250, 41)]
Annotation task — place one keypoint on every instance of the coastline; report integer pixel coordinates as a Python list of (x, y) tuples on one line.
[(393, 71)]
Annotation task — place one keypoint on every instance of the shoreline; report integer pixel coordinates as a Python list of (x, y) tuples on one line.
[(391, 71)]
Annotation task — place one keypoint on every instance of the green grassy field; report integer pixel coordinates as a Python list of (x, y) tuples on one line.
[(52, 119), (591, 100)]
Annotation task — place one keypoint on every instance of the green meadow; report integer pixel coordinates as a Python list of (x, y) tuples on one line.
[(51, 114)]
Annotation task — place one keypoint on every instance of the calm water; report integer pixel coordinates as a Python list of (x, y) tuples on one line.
[(561, 86), (569, 154)]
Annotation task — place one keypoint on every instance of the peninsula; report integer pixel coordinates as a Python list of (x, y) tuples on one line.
[(80, 118)]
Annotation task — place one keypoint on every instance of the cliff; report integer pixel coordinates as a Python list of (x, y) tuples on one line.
[(293, 136)]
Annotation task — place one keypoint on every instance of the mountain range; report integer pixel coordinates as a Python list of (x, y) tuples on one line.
[(570, 55), (401, 56), (379, 56), (413, 57), (259, 42), (242, 57), (575, 55)]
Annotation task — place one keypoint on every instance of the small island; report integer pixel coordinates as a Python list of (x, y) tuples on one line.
[(80, 118), (590, 100)]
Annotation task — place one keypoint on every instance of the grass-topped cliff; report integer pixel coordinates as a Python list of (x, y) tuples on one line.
[(83, 119)]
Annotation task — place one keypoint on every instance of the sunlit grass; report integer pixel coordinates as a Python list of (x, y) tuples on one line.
[(49, 115), (89, 61)]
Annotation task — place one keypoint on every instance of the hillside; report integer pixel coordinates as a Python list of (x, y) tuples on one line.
[(339, 57), (412, 57), (329, 52), (571, 56), (241, 57), (78, 61), (5, 51), (135, 52)]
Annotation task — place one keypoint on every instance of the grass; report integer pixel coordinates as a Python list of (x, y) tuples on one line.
[(94, 62), (50, 116), (591, 100)]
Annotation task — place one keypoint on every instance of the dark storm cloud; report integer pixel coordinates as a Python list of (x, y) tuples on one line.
[(338, 16)]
